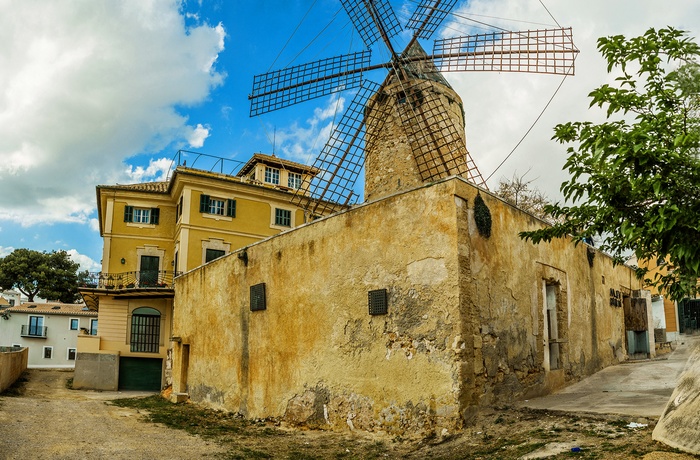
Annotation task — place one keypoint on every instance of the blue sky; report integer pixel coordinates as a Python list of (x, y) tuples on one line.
[(105, 92)]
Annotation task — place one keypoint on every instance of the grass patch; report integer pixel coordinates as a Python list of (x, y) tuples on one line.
[(189, 417)]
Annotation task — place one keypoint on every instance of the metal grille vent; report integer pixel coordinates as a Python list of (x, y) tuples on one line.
[(377, 302), (257, 297)]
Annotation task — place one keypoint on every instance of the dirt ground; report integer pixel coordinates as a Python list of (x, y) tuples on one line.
[(42, 418)]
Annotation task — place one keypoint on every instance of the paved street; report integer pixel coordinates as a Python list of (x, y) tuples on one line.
[(636, 388)]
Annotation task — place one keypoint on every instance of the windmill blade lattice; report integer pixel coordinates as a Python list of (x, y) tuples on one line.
[(340, 161), (438, 147), (372, 19), (428, 16), (550, 51), (282, 88), (415, 110)]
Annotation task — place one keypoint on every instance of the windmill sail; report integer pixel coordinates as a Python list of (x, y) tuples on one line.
[(410, 129), (428, 16), (549, 51), (373, 19), (282, 88), (340, 161)]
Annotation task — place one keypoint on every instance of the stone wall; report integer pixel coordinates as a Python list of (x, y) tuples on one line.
[(315, 354), (466, 325), (504, 283), (13, 362), (390, 162)]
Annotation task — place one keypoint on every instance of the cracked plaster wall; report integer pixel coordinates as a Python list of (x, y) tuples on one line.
[(464, 330)]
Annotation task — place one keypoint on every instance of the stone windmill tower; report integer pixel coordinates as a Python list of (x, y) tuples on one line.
[(409, 129)]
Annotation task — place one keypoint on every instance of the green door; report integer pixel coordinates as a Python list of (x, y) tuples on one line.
[(149, 271), (140, 374)]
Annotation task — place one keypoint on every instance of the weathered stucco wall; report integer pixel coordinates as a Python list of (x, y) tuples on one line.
[(13, 362), (503, 301), (466, 323), (316, 353)]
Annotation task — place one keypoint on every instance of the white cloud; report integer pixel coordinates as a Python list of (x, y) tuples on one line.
[(86, 263), (94, 225), (157, 170), (6, 250), (500, 107), (85, 85), (197, 136), (303, 143)]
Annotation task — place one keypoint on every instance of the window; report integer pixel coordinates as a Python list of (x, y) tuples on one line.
[(141, 215), (217, 206), (178, 210), (71, 354), (294, 180), (93, 327), (283, 217), (74, 324), (272, 175), (48, 352), (145, 330), (212, 254), (36, 325)]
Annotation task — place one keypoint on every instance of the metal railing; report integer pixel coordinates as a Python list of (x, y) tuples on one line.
[(204, 162), (34, 331), (131, 280)]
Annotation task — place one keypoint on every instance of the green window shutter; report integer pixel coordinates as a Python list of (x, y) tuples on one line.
[(204, 203), (231, 208), (155, 216), (128, 213)]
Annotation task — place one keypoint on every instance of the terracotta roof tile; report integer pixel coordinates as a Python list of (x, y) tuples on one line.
[(53, 308), (157, 187)]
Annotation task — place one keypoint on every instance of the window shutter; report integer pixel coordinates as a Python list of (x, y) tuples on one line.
[(204, 203), (155, 216), (128, 213), (231, 208)]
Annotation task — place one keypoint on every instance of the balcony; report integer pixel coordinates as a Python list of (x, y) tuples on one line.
[(146, 283), (37, 332), (149, 279)]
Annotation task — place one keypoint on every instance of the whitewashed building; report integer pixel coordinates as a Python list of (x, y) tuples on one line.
[(50, 331)]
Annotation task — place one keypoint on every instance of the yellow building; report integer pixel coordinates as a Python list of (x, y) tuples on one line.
[(154, 231)]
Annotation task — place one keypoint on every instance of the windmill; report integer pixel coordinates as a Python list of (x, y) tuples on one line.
[(410, 128)]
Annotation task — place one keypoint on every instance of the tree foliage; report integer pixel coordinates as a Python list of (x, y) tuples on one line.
[(635, 178), (51, 275)]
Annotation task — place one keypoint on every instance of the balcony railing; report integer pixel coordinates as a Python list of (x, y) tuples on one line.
[(34, 331), (131, 280)]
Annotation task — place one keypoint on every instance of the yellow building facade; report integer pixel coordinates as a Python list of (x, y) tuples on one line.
[(155, 231)]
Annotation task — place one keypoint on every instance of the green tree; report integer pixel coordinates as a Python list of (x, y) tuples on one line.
[(51, 275), (635, 178)]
